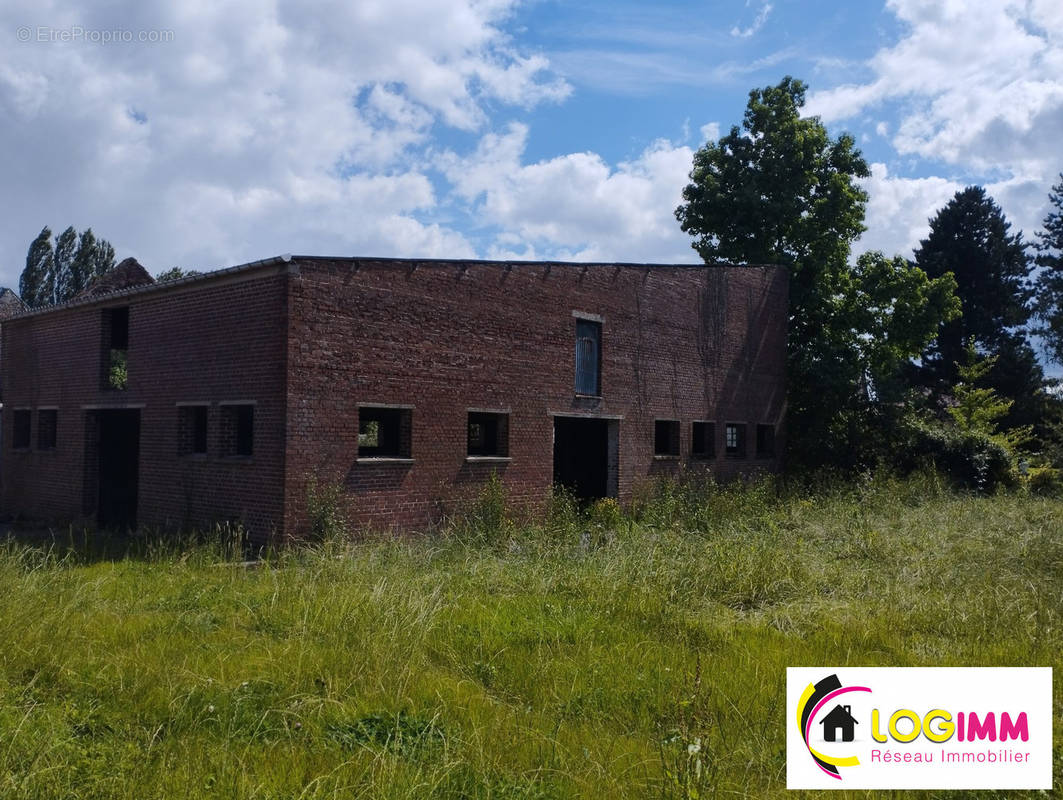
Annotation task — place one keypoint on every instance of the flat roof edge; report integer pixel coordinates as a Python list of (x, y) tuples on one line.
[(287, 258), (532, 263)]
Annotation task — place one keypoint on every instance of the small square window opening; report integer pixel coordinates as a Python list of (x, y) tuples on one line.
[(488, 434), (237, 434), (384, 432), (765, 441), (666, 437)]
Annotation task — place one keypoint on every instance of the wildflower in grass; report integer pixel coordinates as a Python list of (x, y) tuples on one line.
[(694, 747)]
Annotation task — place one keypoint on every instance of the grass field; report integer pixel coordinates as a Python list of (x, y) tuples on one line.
[(593, 657)]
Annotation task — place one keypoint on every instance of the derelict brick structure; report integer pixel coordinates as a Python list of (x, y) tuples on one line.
[(406, 382)]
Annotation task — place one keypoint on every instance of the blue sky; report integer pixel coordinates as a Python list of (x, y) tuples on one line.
[(204, 134)]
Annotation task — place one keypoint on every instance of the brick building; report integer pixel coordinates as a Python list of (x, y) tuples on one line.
[(408, 382)]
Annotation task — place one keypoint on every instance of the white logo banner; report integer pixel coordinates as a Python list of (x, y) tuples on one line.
[(919, 728)]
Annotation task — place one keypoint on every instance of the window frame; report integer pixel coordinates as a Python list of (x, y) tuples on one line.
[(672, 433), (707, 440), (741, 445), (402, 436), (500, 420), (186, 429), (586, 322), (229, 434), (768, 452)]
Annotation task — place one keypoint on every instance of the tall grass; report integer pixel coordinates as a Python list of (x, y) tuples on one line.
[(586, 654)]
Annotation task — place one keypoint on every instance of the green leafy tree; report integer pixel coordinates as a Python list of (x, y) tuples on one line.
[(83, 267), (104, 260), (977, 408), (895, 311), (1049, 303), (63, 265), (56, 273), (780, 191), (35, 284), (175, 273)]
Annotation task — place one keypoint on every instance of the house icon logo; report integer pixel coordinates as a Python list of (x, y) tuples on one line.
[(827, 696), (839, 718)]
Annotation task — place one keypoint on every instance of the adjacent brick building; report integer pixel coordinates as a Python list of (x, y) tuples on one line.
[(407, 382)]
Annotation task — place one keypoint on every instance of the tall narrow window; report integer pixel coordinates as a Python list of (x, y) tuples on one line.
[(47, 423), (22, 420), (703, 440), (115, 348), (588, 357), (488, 434)]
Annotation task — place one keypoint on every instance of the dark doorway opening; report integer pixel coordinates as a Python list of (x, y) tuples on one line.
[(118, 449), (585, 456)]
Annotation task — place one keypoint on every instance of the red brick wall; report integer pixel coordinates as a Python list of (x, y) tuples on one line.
[(212, 341), (678, 343), (309, 347)]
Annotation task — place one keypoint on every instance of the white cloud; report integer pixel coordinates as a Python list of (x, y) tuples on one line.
[(758, 22), (899, 210), (976, 86), (258, 129), (576, 205), (710, 132)]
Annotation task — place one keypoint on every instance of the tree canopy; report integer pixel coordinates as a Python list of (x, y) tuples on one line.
[(780, 190), (970, 238), (60, 271)]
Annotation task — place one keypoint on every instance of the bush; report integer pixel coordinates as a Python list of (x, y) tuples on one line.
[(324, 510), (971, 459), (1045, 482)]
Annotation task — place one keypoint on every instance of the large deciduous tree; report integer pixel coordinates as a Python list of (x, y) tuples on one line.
[(780, 190)]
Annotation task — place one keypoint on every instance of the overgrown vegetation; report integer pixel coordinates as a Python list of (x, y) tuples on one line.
[(594, 653)]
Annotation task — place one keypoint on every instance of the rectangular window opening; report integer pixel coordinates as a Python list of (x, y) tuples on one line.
[(237, 432), (765, 441), (47, 425), (588, 357), (703, 440), (666, 437), (384, 432), (488, 434), (192, 431), (735, 434), (115, 348), (22, 422)]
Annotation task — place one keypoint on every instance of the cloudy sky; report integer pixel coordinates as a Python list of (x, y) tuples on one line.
[(206, 133)]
